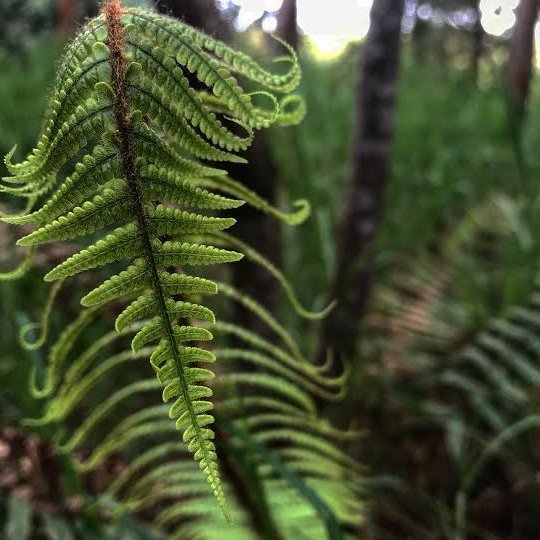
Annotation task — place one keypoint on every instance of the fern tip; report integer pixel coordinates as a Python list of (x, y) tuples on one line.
[(25, 241), (9, 155)]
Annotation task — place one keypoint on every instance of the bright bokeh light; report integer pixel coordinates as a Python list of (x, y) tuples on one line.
[(331, 29), (272, 5), (498, 16), (266, 5), (252, 10), (327, 47), (330, 26), (269, 24), (537, 44), (245, 18)]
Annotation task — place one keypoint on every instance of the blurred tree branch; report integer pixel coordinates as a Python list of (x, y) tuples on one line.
[(478, 35), (287, 27), (520, 55)]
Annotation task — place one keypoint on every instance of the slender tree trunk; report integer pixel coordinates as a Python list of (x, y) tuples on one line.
[(370, 168), (477, 43), (260, 174), (518, 78), (287, 27), (520, 57)]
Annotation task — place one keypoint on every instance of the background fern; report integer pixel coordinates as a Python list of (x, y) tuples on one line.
[(470, 376)]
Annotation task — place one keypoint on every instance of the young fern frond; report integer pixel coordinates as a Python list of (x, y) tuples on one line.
[(123, 109)]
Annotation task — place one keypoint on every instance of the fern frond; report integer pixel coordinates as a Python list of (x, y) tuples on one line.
[(123, 109)]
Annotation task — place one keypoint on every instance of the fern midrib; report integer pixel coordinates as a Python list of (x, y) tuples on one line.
[(125, 142)]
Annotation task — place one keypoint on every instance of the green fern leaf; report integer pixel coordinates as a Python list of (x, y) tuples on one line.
[(124, 110)]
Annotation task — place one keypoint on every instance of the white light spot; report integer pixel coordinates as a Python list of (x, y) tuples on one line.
[(269, 24), (331, 29), (497, 16), (272, 5), (330, 26), (424, 12), (247, 16)]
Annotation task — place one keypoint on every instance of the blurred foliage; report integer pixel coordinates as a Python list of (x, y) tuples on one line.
[(22, 20), (443, 284), (453, 148)]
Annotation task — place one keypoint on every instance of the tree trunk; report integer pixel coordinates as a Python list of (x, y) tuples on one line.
[(368, 176), (520, 57), (287, 28), (477, 43), (259, 174)]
